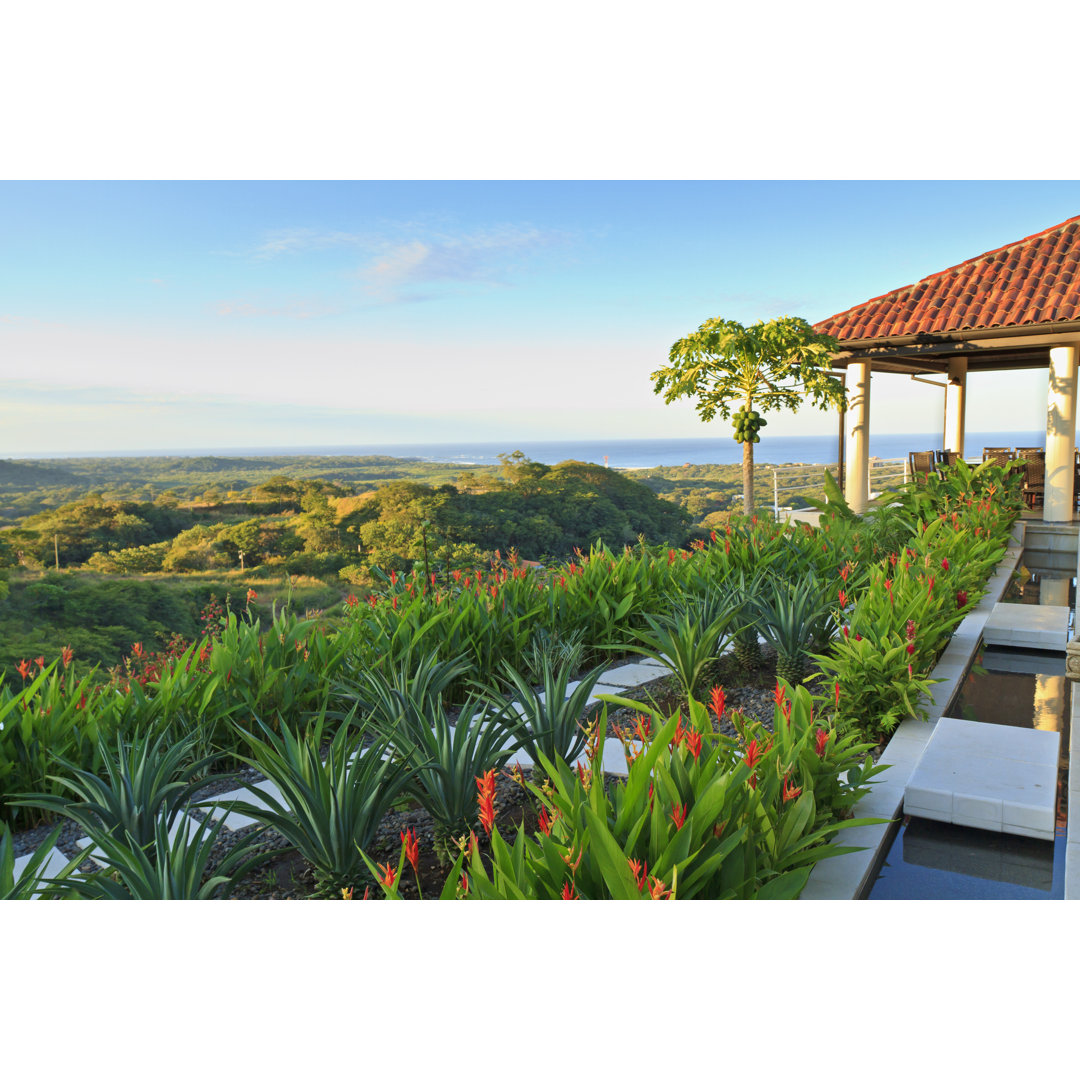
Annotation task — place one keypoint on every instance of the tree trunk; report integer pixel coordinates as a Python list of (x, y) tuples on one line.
[(748, 478)]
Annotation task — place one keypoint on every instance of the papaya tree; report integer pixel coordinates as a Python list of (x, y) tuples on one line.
[(735, 371)]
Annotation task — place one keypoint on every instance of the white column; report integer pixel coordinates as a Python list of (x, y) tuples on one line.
[(1060, 434), (955, 404), (857, 482)]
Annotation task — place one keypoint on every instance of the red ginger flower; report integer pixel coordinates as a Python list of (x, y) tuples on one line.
[(693, 744), (717, 701), (412, 848), (678, 815), (944, 564), (485, 786), (961, 598)]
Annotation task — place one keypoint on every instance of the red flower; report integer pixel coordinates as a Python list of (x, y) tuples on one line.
[(455, 574), (485, 785), (716, 701), (836, 691), (779, 694), (944, 564), (393, 577), (693, 743), (568, 892), (543, 821), (640, 870), (351, 601), (40, 661), (712, 536), (252, 595), (66, 655), (387, 874), (822, 737), (845, 570), (464, 886), (658, 890), (680, 734), (930, 590), (961, 598), (843, 598), (670, 556), (678, 815), (24, 668), (753, 754), (846, 632), (412, 848), (372, 600), (791, 792), (911, 629)]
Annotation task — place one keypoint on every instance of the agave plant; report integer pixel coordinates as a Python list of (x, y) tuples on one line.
[(553, 720), (684, 644), (444, 758), (31, 882), (329, 808), (146, 780), (794, 617), (168, 868)]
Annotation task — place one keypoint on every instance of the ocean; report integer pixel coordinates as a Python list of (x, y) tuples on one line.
[(628, 453)]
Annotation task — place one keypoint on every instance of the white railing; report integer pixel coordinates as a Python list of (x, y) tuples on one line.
[(884, 472)]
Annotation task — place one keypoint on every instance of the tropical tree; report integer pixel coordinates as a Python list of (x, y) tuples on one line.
[(778, 364)]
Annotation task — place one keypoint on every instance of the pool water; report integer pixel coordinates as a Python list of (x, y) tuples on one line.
[(930, 860)]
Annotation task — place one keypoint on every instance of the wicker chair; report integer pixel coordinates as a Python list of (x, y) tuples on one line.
[(921, 463), (946, 459), (1034, 481), (999, 455)]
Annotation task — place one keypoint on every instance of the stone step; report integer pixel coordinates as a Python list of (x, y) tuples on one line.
[(54, 862)]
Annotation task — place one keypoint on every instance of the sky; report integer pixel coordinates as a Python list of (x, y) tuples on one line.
[(153, 314)]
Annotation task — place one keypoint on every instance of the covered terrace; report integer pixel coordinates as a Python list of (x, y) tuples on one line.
[(1017, 306)]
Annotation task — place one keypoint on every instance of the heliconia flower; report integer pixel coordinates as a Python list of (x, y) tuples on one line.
[(791, 792), (680, 734), (372, 600), (485, 786), (252, 595), (843, 599), (412, 848), (562, 581), (658, 890), (930, 588), (640, 870), (821, 737), (455, 574), (846, 631), (351, 601), (693, 743), (433, 580), (678, 815), (393, 603), (464, 885), (643, 726), (568, 892), (753, 754), (393, 577), (717, 701), (387, 873), (40, 660), (24, 668), (779, 693), (543, 822), (785, 708), (66, 654), (727, 547), (836, 693), (961, 598), (347, 894), (944, 564)]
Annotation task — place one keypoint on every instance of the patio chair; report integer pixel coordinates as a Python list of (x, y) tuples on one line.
[(1034, 481), (1030, 451), (999, 455), (921, 464), (946, 459)]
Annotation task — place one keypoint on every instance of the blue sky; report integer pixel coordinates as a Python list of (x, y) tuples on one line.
[(146, 315)]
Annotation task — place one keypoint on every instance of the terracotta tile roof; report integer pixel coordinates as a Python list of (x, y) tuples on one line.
[(1034, 280)]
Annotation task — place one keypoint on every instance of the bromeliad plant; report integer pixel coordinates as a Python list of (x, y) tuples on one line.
[(329, 808), (146, 780), (795, 618)]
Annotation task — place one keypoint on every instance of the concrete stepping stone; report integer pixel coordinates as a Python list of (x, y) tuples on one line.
[(235, 818), (54, 862), (1028, 626), (987, 776)]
